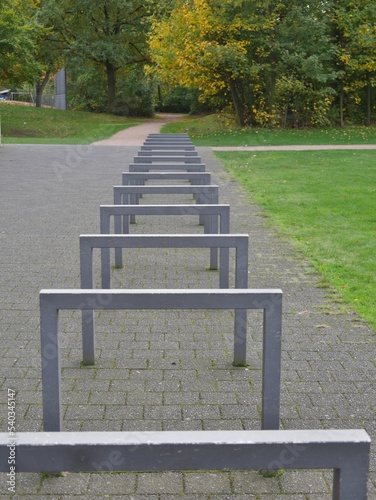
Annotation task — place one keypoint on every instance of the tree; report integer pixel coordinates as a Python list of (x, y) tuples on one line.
[(252, 53), (18, 35), (205, 45), (305, 65), (49, 49), (109, 33), (355, 31)]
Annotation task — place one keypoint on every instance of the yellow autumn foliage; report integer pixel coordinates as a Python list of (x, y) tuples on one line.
[(199, 46)]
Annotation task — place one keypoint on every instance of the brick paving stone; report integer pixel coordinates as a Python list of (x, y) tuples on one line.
[(160, 370), (252, 482), (112, 483), (160, 482), (74, 483), (207, 482), (303, 481)]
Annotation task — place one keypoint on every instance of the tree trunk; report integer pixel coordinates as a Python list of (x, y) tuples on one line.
[(369, 103), (341, 104), (272, 84), (111, 87), (238, 105), (160, 98), (40, 86)]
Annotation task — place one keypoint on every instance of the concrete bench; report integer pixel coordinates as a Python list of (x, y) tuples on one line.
[(162, 158), (211, 217), (269, 301), (344, 451), (187, 167)]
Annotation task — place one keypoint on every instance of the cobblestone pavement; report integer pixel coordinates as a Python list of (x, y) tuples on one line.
[(165, 370)]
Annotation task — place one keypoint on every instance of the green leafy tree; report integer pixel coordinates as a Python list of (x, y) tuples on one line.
[(111, 34), (49, 49), (305, 65), (206, 45), (355, 32), (265, 57), (18, 42)]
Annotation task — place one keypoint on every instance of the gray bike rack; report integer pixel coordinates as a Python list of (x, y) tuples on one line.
[(129, 195), (187, 154), (204, 194), (167, 143), (168, 136), (165, 137), (187, 167), (344, 451), (211, 214), (270, 301), (162, 158), (167, 147), (237, 241), (224, 242), (137, 178)]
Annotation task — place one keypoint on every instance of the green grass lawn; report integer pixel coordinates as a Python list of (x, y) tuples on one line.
[(325, 201), (212, 131), (27, 124)]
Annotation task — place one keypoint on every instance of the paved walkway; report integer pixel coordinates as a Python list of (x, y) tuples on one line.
[(163, 370), (135, 136)]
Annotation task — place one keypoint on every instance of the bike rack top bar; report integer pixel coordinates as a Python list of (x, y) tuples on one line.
[(166, 158), (163, 240), (161, 298), (183, 135), (237, 241), (169, 188), (177, 142), (167, 153), (345, 451), (221, 211), (188, 450), (207, 193), (167, 147), (193, 167), (203, 177)]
